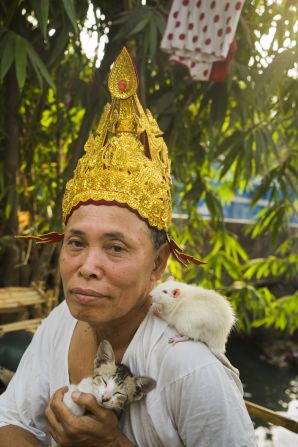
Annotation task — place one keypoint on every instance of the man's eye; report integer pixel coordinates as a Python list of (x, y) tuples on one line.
[(74, 243), (117, 248)]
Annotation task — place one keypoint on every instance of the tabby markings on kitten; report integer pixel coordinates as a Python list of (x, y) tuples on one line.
[(113, 385)]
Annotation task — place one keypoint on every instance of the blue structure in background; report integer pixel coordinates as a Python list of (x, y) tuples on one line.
[(240, 211)]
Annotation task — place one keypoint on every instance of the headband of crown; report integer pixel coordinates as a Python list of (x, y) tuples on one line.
[(126, 162)]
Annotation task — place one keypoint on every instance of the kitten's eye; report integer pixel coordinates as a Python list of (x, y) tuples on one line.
[(121, 394), (104, 381)]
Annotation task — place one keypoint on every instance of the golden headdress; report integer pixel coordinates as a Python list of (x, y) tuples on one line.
[(126, 162)]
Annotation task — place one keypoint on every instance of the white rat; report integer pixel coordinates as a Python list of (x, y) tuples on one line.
[(196, 313)]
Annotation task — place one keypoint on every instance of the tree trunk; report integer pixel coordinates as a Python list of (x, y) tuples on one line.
[(11, 164)]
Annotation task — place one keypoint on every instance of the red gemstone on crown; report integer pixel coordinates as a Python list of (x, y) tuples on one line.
[(122, 85)]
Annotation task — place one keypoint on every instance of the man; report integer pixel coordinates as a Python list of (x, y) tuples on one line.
[(117, 210)]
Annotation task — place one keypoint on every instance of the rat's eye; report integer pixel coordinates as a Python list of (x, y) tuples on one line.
[(165, 291)]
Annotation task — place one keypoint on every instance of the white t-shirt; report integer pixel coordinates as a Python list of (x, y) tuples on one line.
[(197, 401)]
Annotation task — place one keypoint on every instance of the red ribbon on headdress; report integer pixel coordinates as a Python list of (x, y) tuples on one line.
[(182, 257), (48, 238)]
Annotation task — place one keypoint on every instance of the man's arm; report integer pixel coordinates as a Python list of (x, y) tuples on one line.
[(11, 435), (212, 412)]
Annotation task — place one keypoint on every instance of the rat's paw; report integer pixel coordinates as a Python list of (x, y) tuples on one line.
[(177, 339)]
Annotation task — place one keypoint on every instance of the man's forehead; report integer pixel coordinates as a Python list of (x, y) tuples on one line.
[(111, 221), (104, 212)]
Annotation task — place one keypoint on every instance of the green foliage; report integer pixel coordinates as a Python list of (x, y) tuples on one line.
[(221, 136), (281, 313)]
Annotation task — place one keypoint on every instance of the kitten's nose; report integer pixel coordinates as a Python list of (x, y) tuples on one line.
[(105, 398)]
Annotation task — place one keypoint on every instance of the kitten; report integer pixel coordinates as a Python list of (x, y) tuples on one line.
[(196, 313), (113, 385)]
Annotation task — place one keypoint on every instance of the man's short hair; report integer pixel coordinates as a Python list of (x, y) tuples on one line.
[(158, 237)]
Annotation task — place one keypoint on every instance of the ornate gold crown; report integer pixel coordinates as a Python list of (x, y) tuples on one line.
[(126, 162)]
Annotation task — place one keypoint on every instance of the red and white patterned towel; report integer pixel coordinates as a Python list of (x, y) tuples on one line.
[(201, 32)]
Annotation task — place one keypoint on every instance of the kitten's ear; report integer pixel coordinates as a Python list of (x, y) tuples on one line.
[(105, 354), (171, 278), (176, 292), (143, 386)]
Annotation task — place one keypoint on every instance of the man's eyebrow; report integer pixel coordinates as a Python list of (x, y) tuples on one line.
[(109, 235), (76, 232), (114, 235)]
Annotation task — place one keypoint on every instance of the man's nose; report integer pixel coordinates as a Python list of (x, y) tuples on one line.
[(92, 264)]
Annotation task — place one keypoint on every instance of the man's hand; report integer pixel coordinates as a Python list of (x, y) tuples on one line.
[(97, 429)]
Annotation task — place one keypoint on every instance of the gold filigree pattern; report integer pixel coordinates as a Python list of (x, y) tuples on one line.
[(127, 160)]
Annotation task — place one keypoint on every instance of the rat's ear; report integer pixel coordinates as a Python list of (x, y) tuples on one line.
[(170, 278), (176, 293)]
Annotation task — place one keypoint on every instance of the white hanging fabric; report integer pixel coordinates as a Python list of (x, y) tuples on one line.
[(201, 32)]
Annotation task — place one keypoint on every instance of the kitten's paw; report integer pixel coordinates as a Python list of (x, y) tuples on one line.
[(177, 339), (67, 399)]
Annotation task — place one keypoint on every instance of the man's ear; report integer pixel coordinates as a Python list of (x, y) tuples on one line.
[(160, 262)]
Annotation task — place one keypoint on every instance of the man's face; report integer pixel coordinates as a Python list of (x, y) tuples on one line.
[(107, 263)]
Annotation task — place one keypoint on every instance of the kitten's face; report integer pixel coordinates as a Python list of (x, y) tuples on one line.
[(114, 386)]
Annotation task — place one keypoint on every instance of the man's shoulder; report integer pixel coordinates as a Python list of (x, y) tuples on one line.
[(175, 360), (58, 322), (184, 357)]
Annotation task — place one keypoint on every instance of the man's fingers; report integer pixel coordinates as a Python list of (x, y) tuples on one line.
[(71, 430), (89, 402), (61, 412), (55, 427)]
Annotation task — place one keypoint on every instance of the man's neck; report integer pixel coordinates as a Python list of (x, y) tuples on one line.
[(120, 332)]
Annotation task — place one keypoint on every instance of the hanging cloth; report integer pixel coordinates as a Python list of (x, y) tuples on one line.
[(200, 33)]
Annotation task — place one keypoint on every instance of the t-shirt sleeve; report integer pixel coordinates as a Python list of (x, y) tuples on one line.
[(208, 410), (24, 401)]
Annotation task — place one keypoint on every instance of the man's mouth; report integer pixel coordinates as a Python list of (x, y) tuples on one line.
[(86, 295)]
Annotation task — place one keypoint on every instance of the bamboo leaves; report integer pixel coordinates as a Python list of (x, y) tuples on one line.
[(41, 9), (17, 49), (7, 53), (20, 60), (39, 66), (70, 11), (145, 21)]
